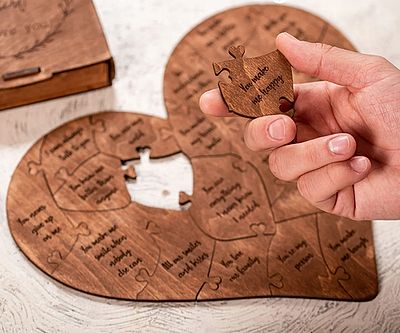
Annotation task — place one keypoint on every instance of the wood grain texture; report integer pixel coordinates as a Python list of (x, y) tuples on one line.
[(50, 49), (31, 302), (259, 86)]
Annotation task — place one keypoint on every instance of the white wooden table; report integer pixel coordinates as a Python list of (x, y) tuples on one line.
[(141, 35)]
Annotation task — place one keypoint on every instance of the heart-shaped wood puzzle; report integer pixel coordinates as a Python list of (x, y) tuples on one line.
[(241, 233), (70, 212)]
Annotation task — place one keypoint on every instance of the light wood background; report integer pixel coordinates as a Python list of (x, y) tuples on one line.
[(141, 35)]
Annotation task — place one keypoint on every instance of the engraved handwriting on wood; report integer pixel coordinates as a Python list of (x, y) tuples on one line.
[(259, 85), (245, 234)]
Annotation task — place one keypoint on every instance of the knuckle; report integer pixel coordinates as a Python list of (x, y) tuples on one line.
[(373, 65), (312, 155), (249, 135), (330, 175), (275, 165), (379, 60), (305, 187), (253, 138), (321, 47), (323, 50)]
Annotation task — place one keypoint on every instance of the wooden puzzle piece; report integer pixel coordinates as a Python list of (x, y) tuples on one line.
[(126, 133), (57, 256), (188, 78), (97, 185), (197, 133), (295, 254), (45, 231), (230, 200), (348, 245), (285, 200), (242, 268), (259, 86), (185, 258), (122, 245), (281, 193), (67, 146)]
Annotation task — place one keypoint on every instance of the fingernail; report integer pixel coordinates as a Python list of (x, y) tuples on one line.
[(203, 100), (339, 145), (208, 92), (276, 130), (289, 36), (359, 164), (205, 95)]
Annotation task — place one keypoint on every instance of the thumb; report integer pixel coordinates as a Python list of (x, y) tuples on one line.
[(326, 62)]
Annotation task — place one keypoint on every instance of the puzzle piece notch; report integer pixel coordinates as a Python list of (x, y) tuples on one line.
[(83, 229), (340, 274), (276, 281), (34, 168), (237, 52), (165, 145), (166, 133), (129, 172), (240, 166), (152, 228), (97, 125), (98, 184), (56, 258), (214, 282), (209, 287), (263, 229), (184, 198), (143, 276), (63, 174)]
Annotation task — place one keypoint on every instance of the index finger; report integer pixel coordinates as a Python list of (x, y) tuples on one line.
[(340, 66)]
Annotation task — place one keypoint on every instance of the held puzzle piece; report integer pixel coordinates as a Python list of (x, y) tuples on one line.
[(260, 86)]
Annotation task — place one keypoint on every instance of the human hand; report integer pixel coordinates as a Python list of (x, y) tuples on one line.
[(346, 159)]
